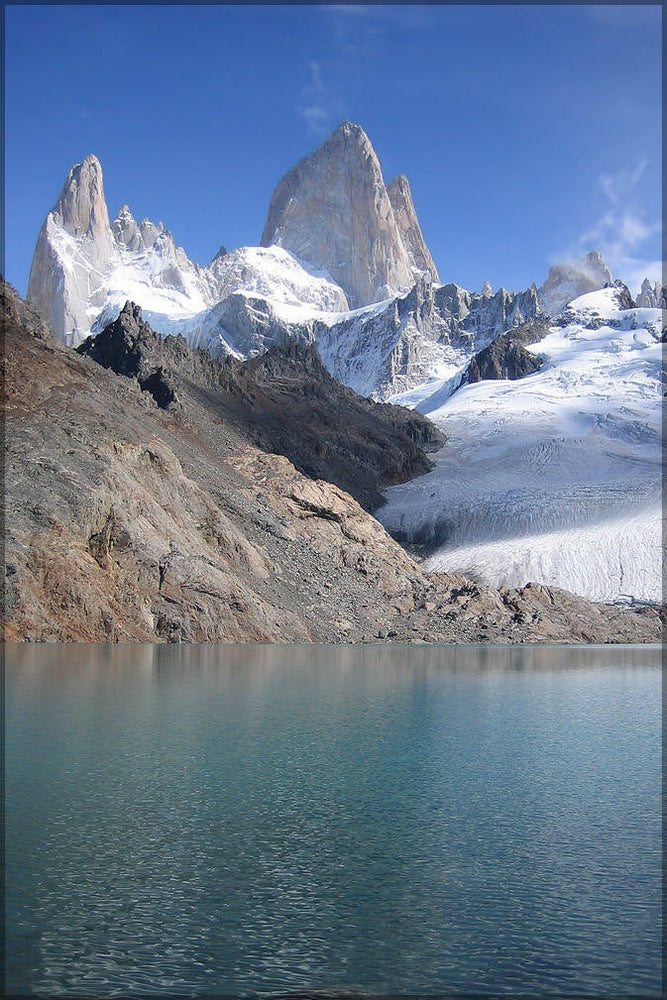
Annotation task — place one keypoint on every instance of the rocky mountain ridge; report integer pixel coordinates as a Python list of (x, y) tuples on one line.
[(284, 400), (333, 210), (343, 264), (132, 521)]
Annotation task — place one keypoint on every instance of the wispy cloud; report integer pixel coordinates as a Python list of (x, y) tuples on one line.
[(349, 45), (618, 186), (318, 106), (622, 231)]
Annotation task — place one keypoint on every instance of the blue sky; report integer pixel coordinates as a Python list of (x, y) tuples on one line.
[(528, 133)]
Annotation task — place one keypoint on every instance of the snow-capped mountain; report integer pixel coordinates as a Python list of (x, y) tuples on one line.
[(335, 237), (84, 266), (568, 281), (553, 477), (556, 477)]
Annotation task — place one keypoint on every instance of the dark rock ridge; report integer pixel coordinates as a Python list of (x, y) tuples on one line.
[(130, 347), (285, 400), (128, 522), (506, 357)]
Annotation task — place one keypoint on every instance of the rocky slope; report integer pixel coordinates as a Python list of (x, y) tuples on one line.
[(285, 400), (126, 520)]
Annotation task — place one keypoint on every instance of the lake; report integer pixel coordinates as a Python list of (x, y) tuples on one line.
[(211, 820)]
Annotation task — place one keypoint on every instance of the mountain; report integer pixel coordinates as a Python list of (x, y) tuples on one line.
[(336, 237), (135, 518), (423, 337), (548, 398), (556, 476), (333, 210), (84, 266), (285, 400), (400, 198), (568, 281)]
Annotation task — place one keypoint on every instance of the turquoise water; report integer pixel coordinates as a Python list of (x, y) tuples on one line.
[(243, 820)]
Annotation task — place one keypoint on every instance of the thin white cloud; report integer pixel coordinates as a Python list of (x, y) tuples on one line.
[(622, 231), (619, 185), (318, 106)]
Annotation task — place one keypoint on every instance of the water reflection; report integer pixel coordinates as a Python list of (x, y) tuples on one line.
[(112, 662), (235, 819)]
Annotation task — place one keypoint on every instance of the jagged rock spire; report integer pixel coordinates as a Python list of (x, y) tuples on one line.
[(332, 211), (400, 197), (64, 294), (81, 208)]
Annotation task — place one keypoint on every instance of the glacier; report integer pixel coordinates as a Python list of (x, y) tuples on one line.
[(554, 478)]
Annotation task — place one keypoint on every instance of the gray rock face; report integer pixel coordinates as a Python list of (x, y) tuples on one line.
[(566, 282), (652, 296), (379, 351), (126, 230), (400, 197), (332, 210), (63, 284), (81, 209), (382, 352)]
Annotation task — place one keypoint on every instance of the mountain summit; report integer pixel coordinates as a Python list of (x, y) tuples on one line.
[(332, 210), (60, 285), (569, 280)]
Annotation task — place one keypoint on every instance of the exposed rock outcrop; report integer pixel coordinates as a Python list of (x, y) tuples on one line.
[(652, 296), (505, 358), (333, 211), (285, 400), (400, 197)]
